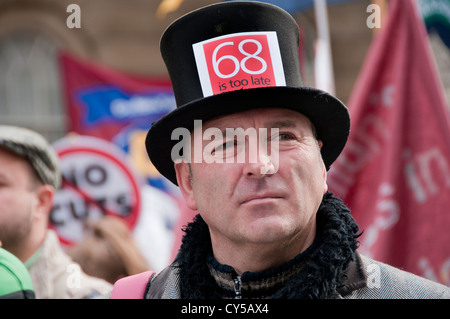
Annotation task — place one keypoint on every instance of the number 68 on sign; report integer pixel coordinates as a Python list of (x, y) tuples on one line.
[(239, 61)]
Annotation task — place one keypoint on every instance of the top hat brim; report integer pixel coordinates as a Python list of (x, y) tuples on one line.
[(329, 116)]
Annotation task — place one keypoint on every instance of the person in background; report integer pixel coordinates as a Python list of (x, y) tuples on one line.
[(29, 178), (108, 250)]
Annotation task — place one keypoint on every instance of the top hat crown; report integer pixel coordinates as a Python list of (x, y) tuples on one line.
[(233, 31), (236, 56)]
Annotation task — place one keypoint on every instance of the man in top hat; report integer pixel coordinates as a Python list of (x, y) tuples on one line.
[(249, 147), (29, 178)]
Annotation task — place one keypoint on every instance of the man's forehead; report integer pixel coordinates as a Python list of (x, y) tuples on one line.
[(6, 152), (16, 160), (270, 118)]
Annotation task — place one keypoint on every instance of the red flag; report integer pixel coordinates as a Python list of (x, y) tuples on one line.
[(394, 173)]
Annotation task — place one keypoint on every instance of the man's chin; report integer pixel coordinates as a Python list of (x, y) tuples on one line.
[(267, 227)]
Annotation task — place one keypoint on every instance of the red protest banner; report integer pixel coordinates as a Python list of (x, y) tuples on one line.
[(102, 102), (108, 104), (394, 173)]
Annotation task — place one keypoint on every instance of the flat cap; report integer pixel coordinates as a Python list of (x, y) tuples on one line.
[(35, 149)]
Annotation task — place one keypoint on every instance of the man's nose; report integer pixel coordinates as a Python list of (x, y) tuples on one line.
[(260, 165)]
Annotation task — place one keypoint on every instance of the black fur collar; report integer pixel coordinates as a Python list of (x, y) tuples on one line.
[(320, 277)]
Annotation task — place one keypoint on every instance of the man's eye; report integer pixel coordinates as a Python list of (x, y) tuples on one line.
[(284, 136), (224, 146)]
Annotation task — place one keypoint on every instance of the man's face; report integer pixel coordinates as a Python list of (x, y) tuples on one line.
[(245, 202), (17, 198)]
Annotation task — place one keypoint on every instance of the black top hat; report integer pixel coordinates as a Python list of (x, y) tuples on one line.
[(235, 56)]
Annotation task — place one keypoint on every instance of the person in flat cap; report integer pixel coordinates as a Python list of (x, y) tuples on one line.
[(249, 147), (29, 178)]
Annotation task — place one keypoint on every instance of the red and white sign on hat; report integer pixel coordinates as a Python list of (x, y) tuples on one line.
[(239, 61)]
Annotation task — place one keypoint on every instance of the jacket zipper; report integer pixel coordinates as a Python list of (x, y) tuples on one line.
[(238, 287)]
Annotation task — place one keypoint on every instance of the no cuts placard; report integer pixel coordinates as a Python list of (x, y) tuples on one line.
[(97, 181)]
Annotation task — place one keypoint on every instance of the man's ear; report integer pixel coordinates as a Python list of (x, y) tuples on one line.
[(44, 201), (185, 182), (324, 169)]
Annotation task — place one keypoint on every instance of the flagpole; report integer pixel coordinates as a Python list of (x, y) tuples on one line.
[(323, 70)]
